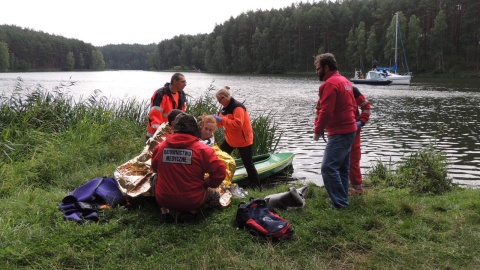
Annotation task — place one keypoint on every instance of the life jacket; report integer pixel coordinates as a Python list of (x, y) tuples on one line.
[(161, 103), (232, 106)]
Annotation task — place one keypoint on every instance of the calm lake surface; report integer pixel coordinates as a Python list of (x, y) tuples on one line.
[(404, 118)]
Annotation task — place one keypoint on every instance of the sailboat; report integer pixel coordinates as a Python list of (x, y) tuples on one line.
[(391, 72)]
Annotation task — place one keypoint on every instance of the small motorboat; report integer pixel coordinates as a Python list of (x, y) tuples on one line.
[(266, 165)]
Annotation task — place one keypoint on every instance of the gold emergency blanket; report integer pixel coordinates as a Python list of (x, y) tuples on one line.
[(224, 188), (136, 178), (229, 165)]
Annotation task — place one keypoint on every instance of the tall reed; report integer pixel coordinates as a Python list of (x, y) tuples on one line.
[(266, 132), (48, 136)]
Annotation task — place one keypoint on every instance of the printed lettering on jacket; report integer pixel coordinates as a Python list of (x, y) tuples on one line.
[(177, 156)]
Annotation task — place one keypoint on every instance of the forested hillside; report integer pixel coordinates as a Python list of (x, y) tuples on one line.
[(24, 49), (435, 36), (127, 56), (438, 36)]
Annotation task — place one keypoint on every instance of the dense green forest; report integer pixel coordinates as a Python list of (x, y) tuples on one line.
[(128, 57), (25, 49), (435, 36)]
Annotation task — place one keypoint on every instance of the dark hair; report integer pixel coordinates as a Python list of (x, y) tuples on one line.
[(327, 59), (186, 124), (176, 77), (172, 114)]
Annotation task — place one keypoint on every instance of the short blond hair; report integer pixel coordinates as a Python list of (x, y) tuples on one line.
[(223, 92)]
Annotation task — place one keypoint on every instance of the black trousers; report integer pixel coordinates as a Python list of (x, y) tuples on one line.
[(246, 154)]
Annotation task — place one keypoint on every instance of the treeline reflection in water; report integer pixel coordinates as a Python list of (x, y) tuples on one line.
[(404, 118)]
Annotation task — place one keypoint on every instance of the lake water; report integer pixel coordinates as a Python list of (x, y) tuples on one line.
[(404, 118)]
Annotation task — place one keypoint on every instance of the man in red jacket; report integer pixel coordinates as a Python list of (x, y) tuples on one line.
[(335, 113), (181, 162), (362, 118)]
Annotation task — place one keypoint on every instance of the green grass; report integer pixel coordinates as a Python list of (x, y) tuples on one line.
[(389, 227), (383, 229)]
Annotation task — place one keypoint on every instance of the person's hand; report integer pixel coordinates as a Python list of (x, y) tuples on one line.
[(316, 137), (218, 118), (359, 124)]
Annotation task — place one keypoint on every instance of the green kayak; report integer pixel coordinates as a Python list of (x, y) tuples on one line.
[(266, 165)]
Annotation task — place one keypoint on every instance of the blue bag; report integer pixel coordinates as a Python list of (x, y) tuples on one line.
[(82, 204)]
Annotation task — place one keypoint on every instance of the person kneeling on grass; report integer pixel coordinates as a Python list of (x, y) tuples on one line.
[(181, 162)]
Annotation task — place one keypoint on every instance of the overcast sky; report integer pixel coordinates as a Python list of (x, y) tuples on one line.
[(102, 22)]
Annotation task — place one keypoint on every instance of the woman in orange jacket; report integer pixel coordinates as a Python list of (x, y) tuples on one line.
[(238, 131)]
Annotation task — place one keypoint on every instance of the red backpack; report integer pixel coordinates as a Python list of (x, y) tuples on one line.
[(258, 219)]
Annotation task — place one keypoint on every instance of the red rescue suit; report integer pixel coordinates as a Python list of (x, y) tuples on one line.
[(336, 106), (161, 103), (355, 155), (181, 162)]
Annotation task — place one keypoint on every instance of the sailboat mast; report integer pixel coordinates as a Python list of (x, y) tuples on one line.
[(396, 38)]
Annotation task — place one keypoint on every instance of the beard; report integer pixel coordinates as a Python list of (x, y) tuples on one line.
[(321, 75)]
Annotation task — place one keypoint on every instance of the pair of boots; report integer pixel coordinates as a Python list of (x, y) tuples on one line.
[(293, 198), (356, 190)]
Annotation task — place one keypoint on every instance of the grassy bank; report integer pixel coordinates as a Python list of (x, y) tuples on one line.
[(51, 144), (384, 229)]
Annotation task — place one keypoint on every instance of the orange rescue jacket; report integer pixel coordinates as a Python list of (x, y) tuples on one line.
[(161, 103), (236, 121)]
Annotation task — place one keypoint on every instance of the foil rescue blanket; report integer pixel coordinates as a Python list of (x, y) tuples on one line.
[(136, 178)]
